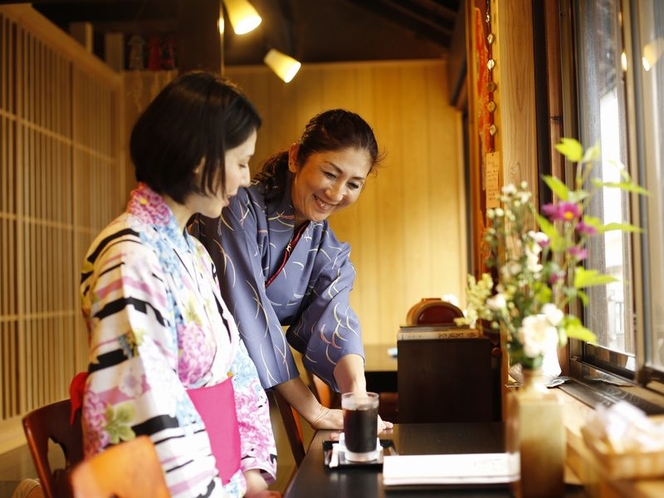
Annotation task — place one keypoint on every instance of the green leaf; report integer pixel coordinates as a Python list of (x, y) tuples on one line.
[(593, 221), (591, 154), (626, 186), (124, 413), (589, 278), (625, 227), (575, 330), (577, 196), (571, 149), (126, 433), (556, 240), (545, 225), (558, 188), (118, 423)]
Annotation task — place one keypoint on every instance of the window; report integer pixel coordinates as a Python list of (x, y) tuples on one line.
[(618, 47), (649, 46)]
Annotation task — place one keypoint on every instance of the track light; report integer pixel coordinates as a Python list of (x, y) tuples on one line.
[(285, 66), (242, 15)]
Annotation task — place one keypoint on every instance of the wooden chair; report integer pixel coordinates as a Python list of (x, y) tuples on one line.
[(291, 421), (127, 470), (433, 311), (323, 392), (51, 423)]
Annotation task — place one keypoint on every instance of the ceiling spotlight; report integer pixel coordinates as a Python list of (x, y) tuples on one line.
[(285, 66), (242, 15)]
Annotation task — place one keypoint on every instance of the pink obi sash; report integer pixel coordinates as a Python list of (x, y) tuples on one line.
[(216, 406)]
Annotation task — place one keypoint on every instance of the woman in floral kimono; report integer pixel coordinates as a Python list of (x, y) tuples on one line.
[(280, 263), (166, 357)]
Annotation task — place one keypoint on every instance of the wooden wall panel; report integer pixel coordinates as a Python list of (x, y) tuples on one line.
[(407, 231), (62, 182)]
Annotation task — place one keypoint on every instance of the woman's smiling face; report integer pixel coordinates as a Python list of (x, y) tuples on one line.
[(327, 182)]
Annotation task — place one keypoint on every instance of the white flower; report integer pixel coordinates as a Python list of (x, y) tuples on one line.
[(497, 302), (553, 314), (532, 260), (513, 268), (131, 383), (509, 189), (536, 335), (450, 298), (539, 237), (524, 197)]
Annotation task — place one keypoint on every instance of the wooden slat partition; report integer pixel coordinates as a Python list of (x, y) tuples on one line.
[(63, 180)]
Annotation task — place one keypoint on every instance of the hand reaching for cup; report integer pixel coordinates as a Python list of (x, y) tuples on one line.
[(329, 418), (384, 425)]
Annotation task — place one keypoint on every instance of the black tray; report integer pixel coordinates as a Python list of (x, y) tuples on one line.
[(387, 446)]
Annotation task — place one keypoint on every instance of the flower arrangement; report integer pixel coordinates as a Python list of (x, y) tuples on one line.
[(536, 274)]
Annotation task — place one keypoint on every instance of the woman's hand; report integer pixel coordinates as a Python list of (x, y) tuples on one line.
[(384, 425), (257, 487), (349, 374), (334, 419), (329, 418)]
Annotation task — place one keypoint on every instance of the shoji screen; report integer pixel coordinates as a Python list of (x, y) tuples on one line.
[(62, 180)]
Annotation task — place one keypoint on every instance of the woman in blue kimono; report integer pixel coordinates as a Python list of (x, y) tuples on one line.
[(280, 265)]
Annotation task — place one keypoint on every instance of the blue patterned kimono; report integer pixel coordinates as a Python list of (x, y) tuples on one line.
[(309, 294)]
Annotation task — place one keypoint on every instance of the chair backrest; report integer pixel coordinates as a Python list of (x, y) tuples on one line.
[(128, 470), (51, 423), (291, 421), (433, 311), (322, 391)]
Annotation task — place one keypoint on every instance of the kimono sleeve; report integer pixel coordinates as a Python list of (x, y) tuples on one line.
[(253, 412), (236, 241), (328, 328)]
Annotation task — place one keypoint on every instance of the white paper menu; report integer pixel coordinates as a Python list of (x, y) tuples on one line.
[(466, 468)]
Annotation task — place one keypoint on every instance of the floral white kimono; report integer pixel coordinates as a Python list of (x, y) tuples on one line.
[(157, 327)]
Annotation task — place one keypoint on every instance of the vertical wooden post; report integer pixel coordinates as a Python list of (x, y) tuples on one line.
[(82, 33), (114, 50), (199, 40), (514, 75)]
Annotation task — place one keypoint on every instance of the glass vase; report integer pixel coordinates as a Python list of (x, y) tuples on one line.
[(535, 430)]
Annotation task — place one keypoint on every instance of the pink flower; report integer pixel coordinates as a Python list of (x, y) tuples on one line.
[(550, 211), (196, 353), (569, 211), (586, 229), (557, 276), (94, 420), (565, 210), (578, 253)]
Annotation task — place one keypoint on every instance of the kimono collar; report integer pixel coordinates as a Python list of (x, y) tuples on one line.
[(280, 212), (151, 208)]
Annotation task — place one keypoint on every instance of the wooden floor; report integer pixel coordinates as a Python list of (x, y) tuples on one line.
[(17, 464)]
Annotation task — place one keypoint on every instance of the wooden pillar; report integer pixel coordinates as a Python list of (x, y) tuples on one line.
[(82, 33), (514, 74), (200, 45)]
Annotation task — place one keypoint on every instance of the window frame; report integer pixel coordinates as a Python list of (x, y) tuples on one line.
[(597, 369)]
